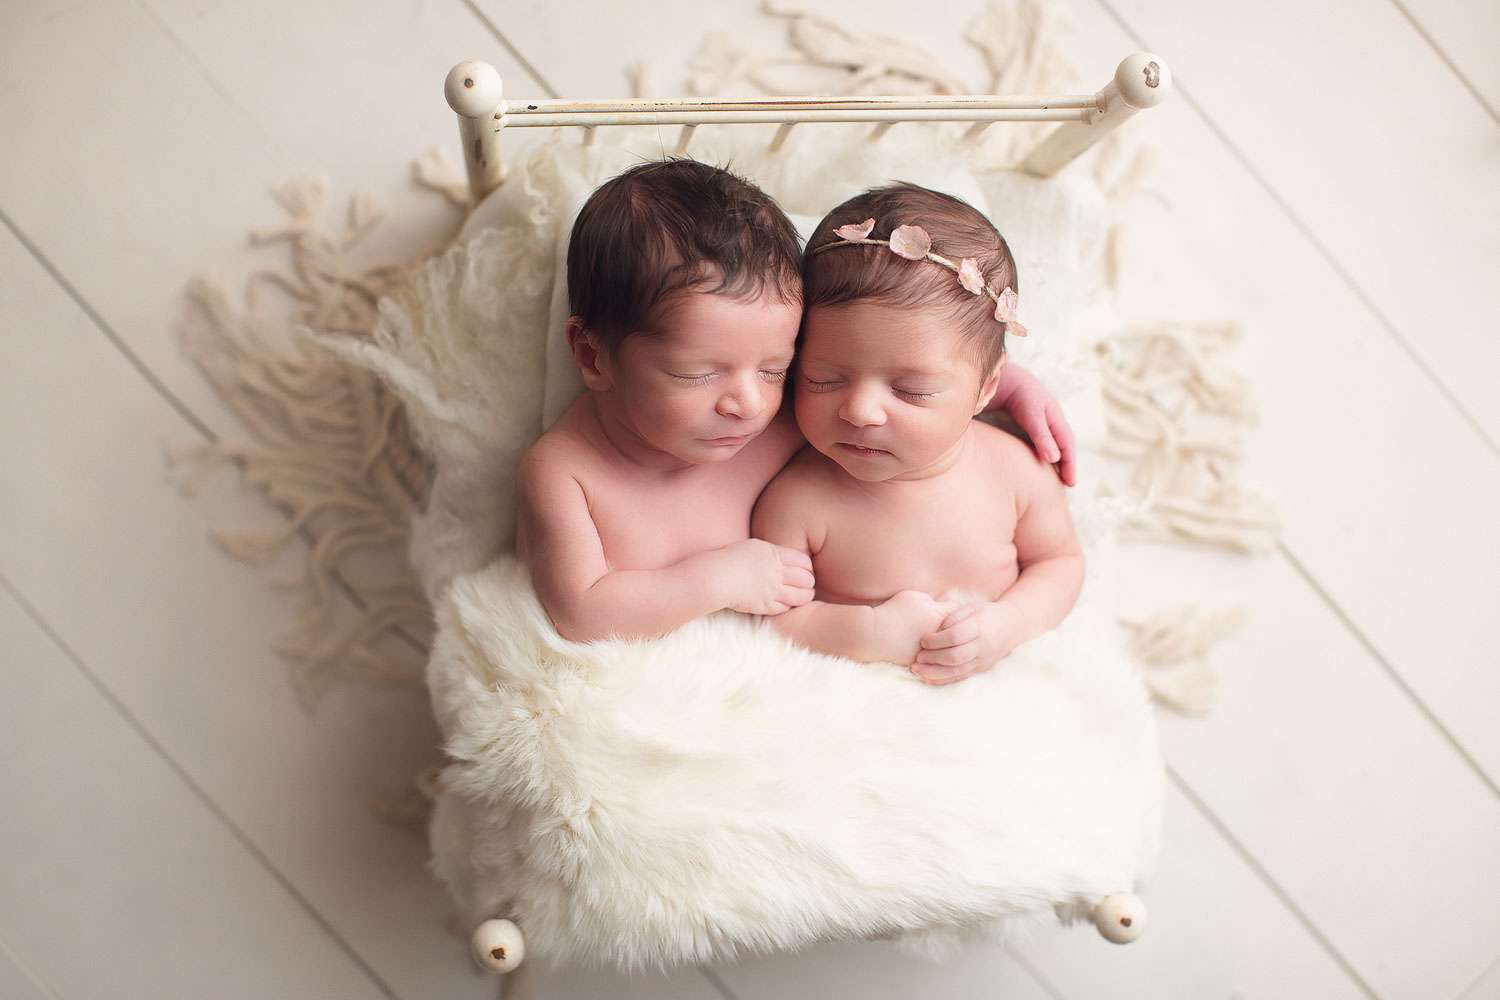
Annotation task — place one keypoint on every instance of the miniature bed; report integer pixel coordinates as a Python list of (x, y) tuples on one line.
[(718, 793)]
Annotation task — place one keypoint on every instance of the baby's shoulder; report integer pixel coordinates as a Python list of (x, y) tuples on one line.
[(798, 488), (1015, 463)]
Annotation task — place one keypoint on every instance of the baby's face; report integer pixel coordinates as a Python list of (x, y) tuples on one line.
[(886, 392), (709, 379)]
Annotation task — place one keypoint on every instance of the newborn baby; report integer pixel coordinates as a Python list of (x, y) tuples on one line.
[(901, 499), (686, 297)]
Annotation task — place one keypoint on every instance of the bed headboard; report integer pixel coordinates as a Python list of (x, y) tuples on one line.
[(476, 93)]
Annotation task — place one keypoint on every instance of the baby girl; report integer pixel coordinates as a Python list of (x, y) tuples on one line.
[(901, 497), (686, 298)]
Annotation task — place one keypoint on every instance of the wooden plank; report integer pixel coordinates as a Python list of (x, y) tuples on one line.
[(1466, 36), (1370, 141), (18, 982), (151, 158), (1212, 924), (120, 880), (117, 563), (877, 971), (1487, 986)]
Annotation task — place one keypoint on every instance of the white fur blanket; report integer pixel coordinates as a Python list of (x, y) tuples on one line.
[(720, 791), (717, 792)]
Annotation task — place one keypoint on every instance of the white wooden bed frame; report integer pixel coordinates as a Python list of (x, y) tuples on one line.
[(475, 92)]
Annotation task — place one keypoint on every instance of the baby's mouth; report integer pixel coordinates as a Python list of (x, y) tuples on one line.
[(859, 450)]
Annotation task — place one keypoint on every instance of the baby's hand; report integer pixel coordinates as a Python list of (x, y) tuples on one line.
[(970, 639), (1034, 410), (902, 621), (765, 579)]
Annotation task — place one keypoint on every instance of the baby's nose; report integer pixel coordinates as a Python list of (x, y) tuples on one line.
[(744, 399), (862, 409)]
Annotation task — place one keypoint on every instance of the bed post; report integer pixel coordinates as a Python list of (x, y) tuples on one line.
[(475, 92), (1141, 81)]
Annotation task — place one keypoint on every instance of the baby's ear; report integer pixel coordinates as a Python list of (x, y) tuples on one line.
[(990, 385), (587, 355)]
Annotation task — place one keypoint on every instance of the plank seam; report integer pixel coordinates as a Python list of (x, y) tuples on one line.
[(1271, 883), (1390, 671), (510, 47), (43, 986), (171, 398), (197, 790), (1323, 250), (1452, 66)]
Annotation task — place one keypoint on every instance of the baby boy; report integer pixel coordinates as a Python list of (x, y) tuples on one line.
[(685, 291), (901, 497)]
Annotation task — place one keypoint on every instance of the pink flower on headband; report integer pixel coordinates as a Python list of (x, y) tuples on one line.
[(911, 242), (970, 277), (855, 231), (1005, 312)]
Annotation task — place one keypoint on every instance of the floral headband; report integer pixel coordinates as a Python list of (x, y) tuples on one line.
[(913, 243)]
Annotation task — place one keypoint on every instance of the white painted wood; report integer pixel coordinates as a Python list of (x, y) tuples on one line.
[(1216, 930), (1467, 33), (475, 91), (876, 970), (1487, 986), (1323, 772), (119, 565), (118, 879), (1392, 165), (153, 156), (1142, 80), (20, 983)]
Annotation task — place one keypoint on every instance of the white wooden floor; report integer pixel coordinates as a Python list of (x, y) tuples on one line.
[(172, 824)]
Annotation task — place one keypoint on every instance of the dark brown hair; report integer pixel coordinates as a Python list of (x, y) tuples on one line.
[(874, 273), (670, 226)]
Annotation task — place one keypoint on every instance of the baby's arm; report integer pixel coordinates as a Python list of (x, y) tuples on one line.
[(1026, 401), (786, 515), (976, 636), (586, 600)]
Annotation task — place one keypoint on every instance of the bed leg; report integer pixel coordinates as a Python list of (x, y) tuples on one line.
[(498, 946), (1141, 81), (1120, 917), (476, 93)]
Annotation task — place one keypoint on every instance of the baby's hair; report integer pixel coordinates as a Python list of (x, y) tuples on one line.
[(873, 273), (670, 226)]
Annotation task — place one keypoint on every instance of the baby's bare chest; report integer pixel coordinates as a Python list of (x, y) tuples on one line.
[(649, 525), (959, 538)]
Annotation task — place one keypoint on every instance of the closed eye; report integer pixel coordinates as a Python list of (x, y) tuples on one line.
[(822, 385), (774, 375), (693, 379), (915, 395)]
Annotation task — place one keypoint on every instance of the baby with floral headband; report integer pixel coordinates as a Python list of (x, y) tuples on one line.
[(936, 540), (686, 297)]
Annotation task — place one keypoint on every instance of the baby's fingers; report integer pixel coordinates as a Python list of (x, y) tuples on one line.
[(937, 676), (795, 597), (963, 612), (950, 656), (963, 631), (796, 576), (1064, 436), (792, 557)]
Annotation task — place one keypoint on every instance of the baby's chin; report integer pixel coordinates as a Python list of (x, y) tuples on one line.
[(875, 470)]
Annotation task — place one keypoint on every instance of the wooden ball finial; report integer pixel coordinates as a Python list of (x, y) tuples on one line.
[(1120, 917), (498, 945), (1143, 80), (473, 88)]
